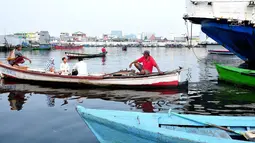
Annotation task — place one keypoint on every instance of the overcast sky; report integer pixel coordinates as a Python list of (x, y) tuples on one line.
[(94, 17)]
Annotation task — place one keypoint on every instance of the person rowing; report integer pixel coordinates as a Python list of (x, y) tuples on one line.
[(103, 50), (16, 57), (147, 65)]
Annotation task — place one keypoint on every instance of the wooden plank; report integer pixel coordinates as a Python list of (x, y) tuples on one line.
[(214, 132), (218, 120)]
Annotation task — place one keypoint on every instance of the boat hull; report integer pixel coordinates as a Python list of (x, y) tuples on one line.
[(160, 81), (44, 47), (236, 75), (129, 127), (238, 39), (78, 55)]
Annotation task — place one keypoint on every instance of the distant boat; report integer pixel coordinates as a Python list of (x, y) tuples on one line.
[(71, 55), (45, 47), (135, 127), (220, 52), (37, 47)]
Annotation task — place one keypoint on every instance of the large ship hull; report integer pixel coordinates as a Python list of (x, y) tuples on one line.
[(230, 23), (238, 38)]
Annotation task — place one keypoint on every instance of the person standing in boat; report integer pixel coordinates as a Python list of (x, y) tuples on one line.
[(147, 65), (80, 68), (103, 50), (16, 57), (64, 67)]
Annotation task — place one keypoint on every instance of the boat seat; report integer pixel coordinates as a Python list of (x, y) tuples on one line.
[(214, 132)]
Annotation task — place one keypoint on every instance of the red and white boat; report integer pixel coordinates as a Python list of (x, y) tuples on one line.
[(121, 79), (68, 47)]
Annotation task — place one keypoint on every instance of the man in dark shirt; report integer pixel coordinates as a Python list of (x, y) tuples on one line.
[(19, 58)]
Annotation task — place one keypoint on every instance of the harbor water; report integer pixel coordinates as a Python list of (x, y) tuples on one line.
[(39, 114)]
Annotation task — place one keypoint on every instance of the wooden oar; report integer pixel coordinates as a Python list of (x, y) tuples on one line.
[(210, 124)]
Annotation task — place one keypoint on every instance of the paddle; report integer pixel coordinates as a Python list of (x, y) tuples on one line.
[(212, 125)]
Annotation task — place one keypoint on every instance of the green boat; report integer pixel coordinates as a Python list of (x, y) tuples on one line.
[(236, 75)]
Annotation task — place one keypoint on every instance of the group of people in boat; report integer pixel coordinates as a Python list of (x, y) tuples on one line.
[(144, 64), (79, 69)]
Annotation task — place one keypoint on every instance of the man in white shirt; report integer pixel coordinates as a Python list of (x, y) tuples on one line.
[(81, 67), (64, 67)]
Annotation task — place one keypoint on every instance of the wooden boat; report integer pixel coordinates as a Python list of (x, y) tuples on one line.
[(220, 52), (67, 47), (129, 127), (81, 55), (44, 47), (236, 75), (122, 79)]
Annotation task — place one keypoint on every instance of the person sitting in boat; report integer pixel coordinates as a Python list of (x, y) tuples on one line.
[(147, 65), (50, 66), (16, 57), (103, 50), (64, 67), (80, 68)]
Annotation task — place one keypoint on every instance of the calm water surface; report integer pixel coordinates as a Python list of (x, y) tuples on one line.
[(32, 113)]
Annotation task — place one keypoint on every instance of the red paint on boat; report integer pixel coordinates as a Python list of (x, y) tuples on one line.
[(8, 76), (171, 83)]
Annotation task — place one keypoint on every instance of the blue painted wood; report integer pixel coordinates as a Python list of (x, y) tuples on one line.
[(134, 127), (239, 40)]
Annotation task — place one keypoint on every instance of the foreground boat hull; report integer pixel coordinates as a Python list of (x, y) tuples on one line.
[(159, 81), (236, 75), (129, 127)]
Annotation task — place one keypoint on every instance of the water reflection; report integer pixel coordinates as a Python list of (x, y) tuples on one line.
[(201, 98), (145, 100), (103, 60), (16, 99), (50, 100)]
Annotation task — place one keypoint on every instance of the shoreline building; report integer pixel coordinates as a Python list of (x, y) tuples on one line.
[(44, 37), (64, 36), (29, 36), (130, 36), (148, 36), (105, 37), (116, 34), (79, 36)]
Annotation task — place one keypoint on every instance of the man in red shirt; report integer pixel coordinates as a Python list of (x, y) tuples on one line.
[(147, 64), (103, 50)]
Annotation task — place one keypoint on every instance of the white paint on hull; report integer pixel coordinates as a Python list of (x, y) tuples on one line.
[(223, 9)]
